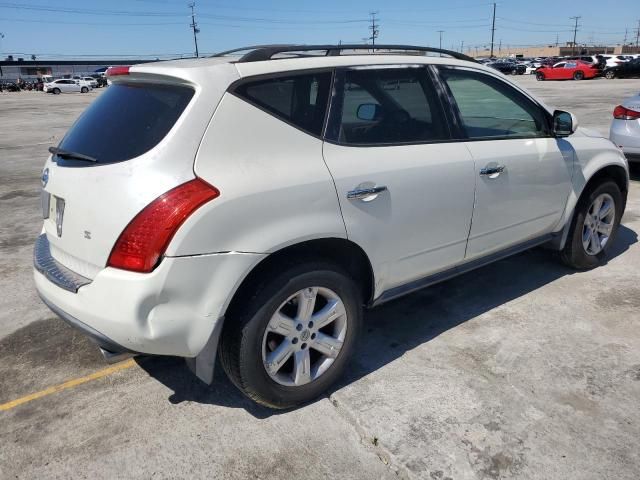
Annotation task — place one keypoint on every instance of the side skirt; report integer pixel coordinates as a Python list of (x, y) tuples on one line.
[(421, 283)]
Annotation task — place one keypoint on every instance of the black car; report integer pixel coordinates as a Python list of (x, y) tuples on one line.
[(622, 70), (508, 67)]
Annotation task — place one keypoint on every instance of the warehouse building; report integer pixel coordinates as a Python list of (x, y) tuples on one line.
[(12, 69)]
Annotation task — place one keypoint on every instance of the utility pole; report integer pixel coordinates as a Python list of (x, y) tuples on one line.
[(194, 26), (557, 38), (493, 28), (624, 42), (374, 28), (461, 46), (575, 32), (638, 35), (440, 32), (500, 48)]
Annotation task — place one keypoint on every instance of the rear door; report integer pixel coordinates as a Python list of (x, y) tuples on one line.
[(523, 174), (406, 191)]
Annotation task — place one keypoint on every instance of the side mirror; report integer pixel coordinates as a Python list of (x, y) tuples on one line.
[(564, 123), (368, 112)]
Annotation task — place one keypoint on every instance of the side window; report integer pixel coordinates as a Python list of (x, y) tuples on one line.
[(298, 99), (385, 106), (490, 108)]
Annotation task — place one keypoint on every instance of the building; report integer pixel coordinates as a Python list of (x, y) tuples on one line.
[(11, 69), (567, 49)]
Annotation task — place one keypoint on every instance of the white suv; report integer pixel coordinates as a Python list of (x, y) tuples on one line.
[(253, 205)]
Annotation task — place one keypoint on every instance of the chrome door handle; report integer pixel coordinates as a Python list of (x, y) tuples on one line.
[(362, 193), (492, 171)]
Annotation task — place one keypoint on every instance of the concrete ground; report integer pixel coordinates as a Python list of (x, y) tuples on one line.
[(523, 369)]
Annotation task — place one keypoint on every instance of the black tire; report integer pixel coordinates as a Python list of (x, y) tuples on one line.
[(579, 75), (540, 76), (241, 342), (84, 90), (610, 75), (574, 254), (514, 71), (56, 91)]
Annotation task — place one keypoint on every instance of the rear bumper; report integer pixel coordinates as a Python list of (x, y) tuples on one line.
[(170, 311)]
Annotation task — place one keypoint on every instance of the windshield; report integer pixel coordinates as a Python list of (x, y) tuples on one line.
[(124, 122)]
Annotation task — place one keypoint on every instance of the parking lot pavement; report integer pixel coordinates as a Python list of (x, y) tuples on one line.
[(523, 369)]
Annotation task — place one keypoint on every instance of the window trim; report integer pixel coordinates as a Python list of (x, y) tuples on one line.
[(236, 85), (339, 76), (456, 110)]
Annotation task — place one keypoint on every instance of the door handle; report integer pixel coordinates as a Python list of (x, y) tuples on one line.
[(363, 193), (493, 171)]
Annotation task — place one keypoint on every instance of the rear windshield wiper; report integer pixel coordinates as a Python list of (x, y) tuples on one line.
[(73, 155)]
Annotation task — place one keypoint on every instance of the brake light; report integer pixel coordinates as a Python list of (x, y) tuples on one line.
[(622, 113), (147, 236), (120, 70)]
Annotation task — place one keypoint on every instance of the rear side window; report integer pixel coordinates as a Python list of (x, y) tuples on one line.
[(300, 100), (124, 122), (385, 106)]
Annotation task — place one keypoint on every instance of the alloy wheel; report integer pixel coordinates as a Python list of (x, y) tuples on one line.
[(304, 336), (598, 224)]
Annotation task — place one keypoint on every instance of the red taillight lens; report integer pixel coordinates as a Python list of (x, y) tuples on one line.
[(622, 113), (120, 70), (147, 236)]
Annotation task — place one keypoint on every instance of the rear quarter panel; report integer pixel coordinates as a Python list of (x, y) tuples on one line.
[(275, 189)]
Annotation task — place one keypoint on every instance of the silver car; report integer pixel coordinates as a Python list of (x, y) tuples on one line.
[(625, 128)]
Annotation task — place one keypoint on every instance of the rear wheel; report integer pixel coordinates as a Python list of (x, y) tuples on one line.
[(56, 91), (84, 89), (610, 75), (292, 339), (594, 226), (539, 76), (579, 75), (514, 71)]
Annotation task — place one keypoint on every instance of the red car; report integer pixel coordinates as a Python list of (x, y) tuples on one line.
[(571, 69)]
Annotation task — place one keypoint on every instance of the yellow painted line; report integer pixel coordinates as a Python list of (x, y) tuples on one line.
[(69, 384)]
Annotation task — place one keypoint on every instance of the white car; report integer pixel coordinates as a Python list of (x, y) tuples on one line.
[(65, 85), (92, 82), (615, 60), (253, 205), (625, 128)]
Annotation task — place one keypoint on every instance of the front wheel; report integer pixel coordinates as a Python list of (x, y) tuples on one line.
[(292, 339), (539, 76), (56, 91), (84, 90), (594, 227), (610, 75)]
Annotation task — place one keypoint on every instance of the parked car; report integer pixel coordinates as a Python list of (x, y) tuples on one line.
[(508, 68), (65, 85), (625, 128), (92, 82), (614, 60), (568, 70), (623, 70), (169, 233)]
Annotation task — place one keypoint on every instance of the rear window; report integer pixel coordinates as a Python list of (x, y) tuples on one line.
[(124, 122)]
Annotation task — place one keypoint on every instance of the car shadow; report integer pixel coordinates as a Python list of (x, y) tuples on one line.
[(398, 326)]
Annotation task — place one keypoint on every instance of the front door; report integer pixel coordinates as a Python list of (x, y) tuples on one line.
[(523, 174), (406, 191)]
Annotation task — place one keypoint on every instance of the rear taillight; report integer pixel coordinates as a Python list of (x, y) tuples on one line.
[(115, 71), (622, 113), (147, 236)]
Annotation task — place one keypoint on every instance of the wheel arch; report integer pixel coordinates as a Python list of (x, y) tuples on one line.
[(611, 171), (344, 253)]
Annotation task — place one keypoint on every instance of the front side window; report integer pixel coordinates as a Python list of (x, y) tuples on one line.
[(385, 106), (490, 108), (298, 99)]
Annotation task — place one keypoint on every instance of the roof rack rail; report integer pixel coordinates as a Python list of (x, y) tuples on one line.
[(259, 53)]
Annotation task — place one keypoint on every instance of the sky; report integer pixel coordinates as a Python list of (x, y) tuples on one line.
[(160, 28)]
